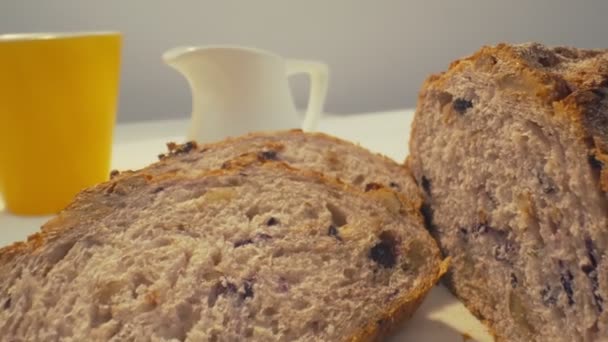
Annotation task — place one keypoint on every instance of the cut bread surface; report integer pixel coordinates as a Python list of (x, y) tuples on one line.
[(258, 251), (510, 147)]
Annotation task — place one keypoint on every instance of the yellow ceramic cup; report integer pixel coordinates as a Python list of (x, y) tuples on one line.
[(58, 95)]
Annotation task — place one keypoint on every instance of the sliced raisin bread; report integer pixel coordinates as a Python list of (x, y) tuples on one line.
[(315, 151), (257, 251), (511, 148)]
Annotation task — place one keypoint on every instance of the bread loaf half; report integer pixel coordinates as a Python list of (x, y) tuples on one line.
[(256, 251), (511, 148)]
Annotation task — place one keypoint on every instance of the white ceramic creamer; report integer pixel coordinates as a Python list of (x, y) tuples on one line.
[(236, 90)]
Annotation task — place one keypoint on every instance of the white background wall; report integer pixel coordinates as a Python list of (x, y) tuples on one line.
[(379, 51)]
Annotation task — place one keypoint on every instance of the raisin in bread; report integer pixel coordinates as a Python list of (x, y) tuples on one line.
[(511, 148), (315, 151), (257, 251)]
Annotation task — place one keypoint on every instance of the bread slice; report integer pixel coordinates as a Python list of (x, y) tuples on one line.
[(511, 148), (319, 152), (256, 251)]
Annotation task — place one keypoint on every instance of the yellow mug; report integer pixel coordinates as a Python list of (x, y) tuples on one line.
[(58, 96)]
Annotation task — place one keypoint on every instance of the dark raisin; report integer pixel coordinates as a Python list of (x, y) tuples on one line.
[(426, 185), (590, 269), (114, 173), (599, 92), (549, 190), (243, 242), (247, 289), (392, 295), (7, 304), (230, 288), (595, 163), (283, 285), (272, 222), (548, 296), (162, 156), (591, 253), (315, 326), (263, 236), (187, 147), (595, 289), (479, 229), (547, 184), (461, 105), (587, 268), (157, 190), (395, 186), (566, 281), (545, 61), (381, 321), (220, 289), (268, 155), (372, 187), (427, 215), (175, 149), (463, 232), (502, 252), (514, 281), (384, 252), (333, 231)]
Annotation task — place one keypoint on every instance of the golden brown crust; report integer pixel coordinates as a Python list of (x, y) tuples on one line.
[(293, 132), (183, 150), (573, 81), (62, 220), (84, 207), (401, 309)]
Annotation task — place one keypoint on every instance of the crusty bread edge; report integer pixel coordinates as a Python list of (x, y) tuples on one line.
[(402, 310), (549, 88), (61, 222), (403, 306), (262, 134), (47, 230), (291, 132)]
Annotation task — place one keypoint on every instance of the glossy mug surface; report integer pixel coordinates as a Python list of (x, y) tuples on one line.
[(236, 90), (58, 97)]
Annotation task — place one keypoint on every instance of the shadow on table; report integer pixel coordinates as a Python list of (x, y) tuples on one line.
[(441, 317)]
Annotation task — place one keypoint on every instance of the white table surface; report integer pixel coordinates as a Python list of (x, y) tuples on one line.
[(440, 318)]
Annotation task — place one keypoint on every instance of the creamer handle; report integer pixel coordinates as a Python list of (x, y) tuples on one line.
[(319, 78)]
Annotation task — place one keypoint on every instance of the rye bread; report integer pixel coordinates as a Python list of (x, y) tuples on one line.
[(257, 250), (510, 146)]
